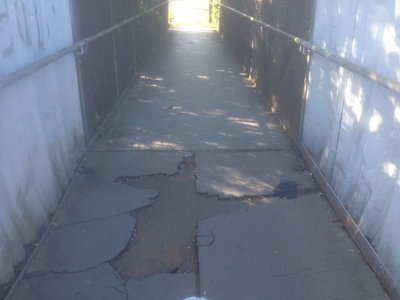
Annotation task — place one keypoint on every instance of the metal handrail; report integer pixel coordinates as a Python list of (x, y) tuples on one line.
[(37, 65), (344, 62)]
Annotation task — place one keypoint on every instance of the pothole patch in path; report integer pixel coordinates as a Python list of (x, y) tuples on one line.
[(165, 233)]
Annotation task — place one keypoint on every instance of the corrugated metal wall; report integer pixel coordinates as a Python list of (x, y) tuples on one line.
[(352, 126), (41, 133)]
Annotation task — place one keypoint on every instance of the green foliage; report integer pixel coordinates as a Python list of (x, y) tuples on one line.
[(214, 12), (143, 7), (171, 17), (147, 22)]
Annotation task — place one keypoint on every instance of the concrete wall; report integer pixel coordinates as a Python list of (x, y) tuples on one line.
[(41, 135), (352, 126)]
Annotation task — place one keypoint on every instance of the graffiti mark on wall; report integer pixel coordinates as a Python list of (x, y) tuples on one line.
[(28, 22), (6, 42), (21, 24)]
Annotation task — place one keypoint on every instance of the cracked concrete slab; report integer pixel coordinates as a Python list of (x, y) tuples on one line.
[(99, 283), (89, 199), (163, 286), (234, 175), (205, 238), (81, 246), (111, 165), (283, 249)]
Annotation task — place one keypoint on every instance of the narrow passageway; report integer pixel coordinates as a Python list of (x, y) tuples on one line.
[(191, 96), (194, 190)]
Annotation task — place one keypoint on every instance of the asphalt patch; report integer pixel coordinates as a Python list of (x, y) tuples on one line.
[(164, 240)]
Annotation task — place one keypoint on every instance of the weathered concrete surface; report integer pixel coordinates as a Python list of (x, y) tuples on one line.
[(94, 224), (100, 283), (231, 175), (192, 96), (91, 200), (162, 286), (78, 247), (282, 249)]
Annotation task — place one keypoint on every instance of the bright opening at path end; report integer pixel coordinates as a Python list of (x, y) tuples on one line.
[(193, 13)]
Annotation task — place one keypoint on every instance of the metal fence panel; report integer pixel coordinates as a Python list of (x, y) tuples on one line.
[(274, 63), (98, 81), (109, 64)]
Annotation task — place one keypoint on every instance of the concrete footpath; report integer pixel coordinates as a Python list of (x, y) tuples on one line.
[(194, 192)]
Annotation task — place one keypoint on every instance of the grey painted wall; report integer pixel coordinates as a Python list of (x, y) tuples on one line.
[(41, 135), (352, 126)]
